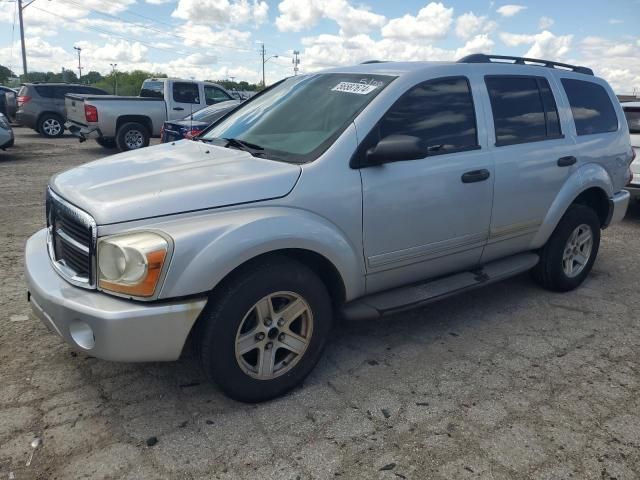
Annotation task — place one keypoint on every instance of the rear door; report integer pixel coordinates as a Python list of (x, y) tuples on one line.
[(533, 158), (185, 98)]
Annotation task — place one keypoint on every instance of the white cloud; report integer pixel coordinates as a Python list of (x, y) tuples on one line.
[(432, 22), (204, 36), (113, 51), (469, 24), (158, 2), (297, 15), (544, 45), (478, 44), (222, 12), (616, 61), (545, 23), (43, 56), (615, 21), (510, 10)]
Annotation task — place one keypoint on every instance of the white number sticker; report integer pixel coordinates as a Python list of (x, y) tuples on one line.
[(357, 88)]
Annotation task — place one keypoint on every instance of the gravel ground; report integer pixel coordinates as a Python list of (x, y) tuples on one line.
[(506, 382)]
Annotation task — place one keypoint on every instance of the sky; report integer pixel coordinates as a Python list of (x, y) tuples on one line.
[(221, 39)]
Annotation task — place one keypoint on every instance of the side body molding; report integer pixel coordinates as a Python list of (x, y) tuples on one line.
[(587, 176), (209, 247)]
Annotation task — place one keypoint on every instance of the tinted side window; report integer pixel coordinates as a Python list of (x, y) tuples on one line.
[(633, 119), (214, 95), (186, 92), (45, 91), (151, 89), (440, 112), (591, 107), (524, 109)]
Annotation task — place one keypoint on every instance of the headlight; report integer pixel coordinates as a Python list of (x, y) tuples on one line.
[(132, 263)]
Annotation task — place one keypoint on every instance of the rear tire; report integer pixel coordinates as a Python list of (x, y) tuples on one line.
[(569, 254), (106, 142), (51, 125), (132, 136), (246, 321)]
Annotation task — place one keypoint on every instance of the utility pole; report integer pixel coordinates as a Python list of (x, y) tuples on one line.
[(115, 78), (265, 60), (79, 64), (296, 61), (24, 50)]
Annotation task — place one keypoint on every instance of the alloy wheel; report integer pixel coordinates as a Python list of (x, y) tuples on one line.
[(274, 335), (577, 251)]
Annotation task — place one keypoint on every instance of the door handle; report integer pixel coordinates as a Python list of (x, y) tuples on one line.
[(567, 161), (475, 176), (178, 108)]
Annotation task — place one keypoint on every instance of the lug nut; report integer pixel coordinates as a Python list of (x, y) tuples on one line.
[(268, 346), (267, 322), (281, 322), (259, 336), (281, 337)]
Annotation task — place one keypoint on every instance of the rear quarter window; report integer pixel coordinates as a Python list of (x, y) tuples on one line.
[(633, 119), (45, 91), (591, 106)]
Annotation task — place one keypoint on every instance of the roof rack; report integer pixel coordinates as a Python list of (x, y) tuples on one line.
[(483, 58)]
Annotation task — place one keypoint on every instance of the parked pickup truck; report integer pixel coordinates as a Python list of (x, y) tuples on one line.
[(129, 122), (360, 191)]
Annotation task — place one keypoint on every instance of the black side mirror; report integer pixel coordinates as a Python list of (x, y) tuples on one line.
[(395, 148)]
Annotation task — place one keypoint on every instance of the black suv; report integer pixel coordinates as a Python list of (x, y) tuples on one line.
[(41, 105)]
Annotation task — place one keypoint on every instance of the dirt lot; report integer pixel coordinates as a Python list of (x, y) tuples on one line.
[(506, 382)]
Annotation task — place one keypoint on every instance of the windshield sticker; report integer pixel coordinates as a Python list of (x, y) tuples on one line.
[(357, 88)]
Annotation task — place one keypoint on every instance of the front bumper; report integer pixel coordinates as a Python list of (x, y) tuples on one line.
[(104, 326), (83, 132)]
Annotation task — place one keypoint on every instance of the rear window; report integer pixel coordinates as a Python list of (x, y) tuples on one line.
[(591, 107), (152, 89), (633, 119), (524, 109)]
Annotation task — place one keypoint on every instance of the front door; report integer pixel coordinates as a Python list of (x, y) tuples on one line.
[(427, 217)]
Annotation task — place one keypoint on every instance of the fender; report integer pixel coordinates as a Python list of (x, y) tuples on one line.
[(585, 177), (209, 247)]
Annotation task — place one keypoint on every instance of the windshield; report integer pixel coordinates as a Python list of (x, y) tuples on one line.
[(298, 119)]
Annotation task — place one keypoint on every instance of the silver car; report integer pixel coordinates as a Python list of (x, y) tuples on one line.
[(358, 192), (6, 133)]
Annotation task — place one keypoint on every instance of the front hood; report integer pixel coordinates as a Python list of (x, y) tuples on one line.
[(172, 178)]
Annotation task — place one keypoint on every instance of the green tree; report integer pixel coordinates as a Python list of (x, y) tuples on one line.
[(91, 78), (129, 83), (5, 74)]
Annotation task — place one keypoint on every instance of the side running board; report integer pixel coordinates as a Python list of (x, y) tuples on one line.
[(417, 295)]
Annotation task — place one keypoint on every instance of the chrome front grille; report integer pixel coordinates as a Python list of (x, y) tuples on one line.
[(71, 241)]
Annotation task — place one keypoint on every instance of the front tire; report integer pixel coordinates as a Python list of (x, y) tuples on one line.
[(51, 126), (132, 136), (568, 256), (264, 330)]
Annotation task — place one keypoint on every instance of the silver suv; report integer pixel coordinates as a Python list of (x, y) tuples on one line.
[(359, 191), (41, 105)]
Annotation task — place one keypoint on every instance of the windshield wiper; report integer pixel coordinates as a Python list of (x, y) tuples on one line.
[(242, 145)]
